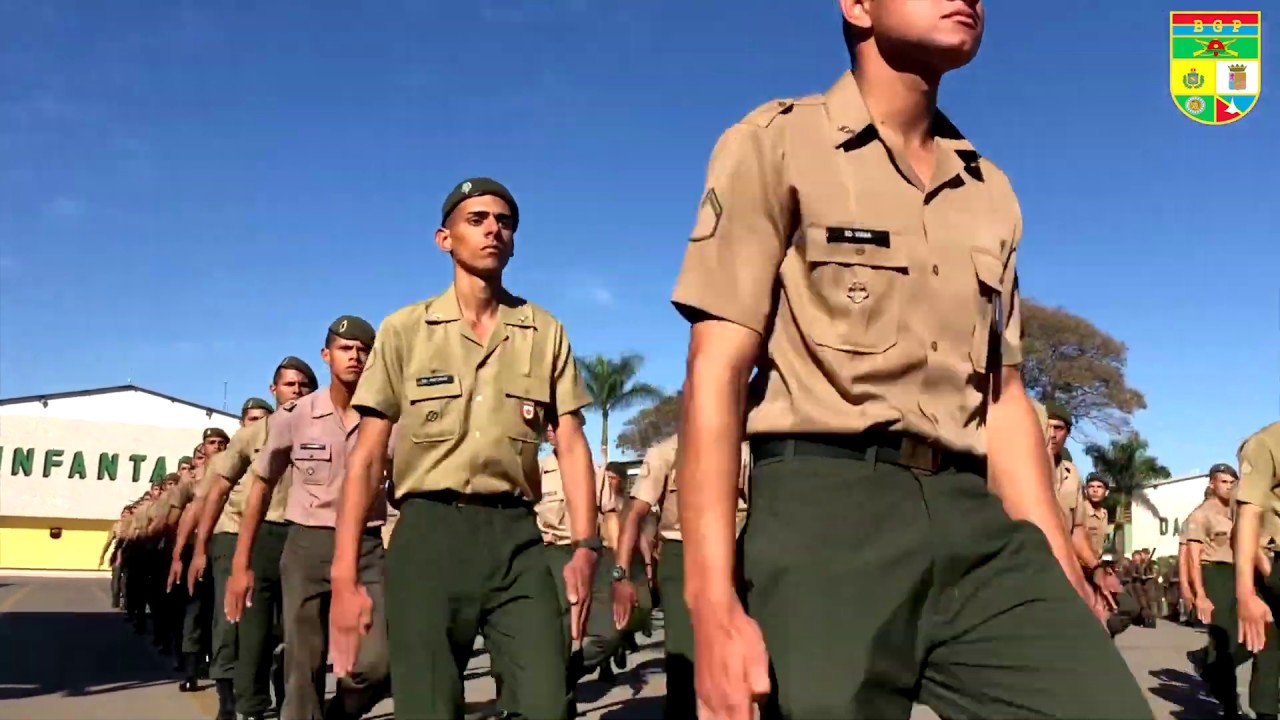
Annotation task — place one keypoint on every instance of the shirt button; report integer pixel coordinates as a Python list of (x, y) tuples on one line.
[(935, 269), (933, 345), (477, 433), (860, 251), (479, 398)]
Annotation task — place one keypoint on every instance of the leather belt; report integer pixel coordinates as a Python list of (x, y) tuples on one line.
[(887, 447), (500, 501)]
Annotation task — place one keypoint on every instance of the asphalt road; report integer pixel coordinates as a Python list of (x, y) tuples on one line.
[(64, 653)]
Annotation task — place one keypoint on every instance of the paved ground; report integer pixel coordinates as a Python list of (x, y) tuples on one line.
[(65, 654)]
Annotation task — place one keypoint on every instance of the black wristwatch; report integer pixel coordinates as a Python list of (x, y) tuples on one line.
[(618, 573), (593, 544)]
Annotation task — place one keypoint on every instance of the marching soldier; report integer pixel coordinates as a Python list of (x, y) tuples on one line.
[(1211, 561), (657, 488), (860, 253), (1257, 522), (224, 498), (473, 376), (308, 440)]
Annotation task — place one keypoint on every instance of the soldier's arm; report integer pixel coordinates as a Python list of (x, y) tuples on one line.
[(111, 537), (577, 471), (1195, 546), (1257, 481), (725, 290), (378, 400), (645, 493)]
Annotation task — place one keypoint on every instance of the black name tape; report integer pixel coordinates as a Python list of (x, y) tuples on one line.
[(858, 236), (432, 380), (312, 446)]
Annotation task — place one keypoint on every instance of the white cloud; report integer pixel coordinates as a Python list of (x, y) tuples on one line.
[(601, 296), (64, 207)]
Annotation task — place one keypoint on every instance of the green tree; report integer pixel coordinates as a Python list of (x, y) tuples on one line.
[(613, 387), (1070, 360), (651, 425), (1129, 468)]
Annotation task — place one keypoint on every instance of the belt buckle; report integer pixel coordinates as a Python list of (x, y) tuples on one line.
[(919, 455)]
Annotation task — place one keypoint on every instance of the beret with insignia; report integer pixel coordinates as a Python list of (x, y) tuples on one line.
[(1223, 469), (255, 403), (477, 187), (214, 432), (297, 363), (351, 327)]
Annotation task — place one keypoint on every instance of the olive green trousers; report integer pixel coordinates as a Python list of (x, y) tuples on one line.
[(225, 640), (877, 586), (455, 570), (1226, 653), (261, 623)]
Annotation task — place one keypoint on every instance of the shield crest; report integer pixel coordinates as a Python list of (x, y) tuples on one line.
[(1215, 64), (527, 410)]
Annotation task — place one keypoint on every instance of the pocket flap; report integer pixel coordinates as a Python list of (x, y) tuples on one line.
[(528, 388), (312, 451), (988, 266), (819, 249), (434, 386)]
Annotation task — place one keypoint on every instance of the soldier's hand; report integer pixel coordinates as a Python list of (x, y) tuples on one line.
[(1204, 609), (350, 618), (1254, 617), (196, 571), (1107, 585), (175, 574), (624, 600), (731, 665), (239, 593), (578, 574)]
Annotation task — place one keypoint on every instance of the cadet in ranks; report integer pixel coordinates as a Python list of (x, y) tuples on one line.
[(657, 489), (224, 497), (114, 543), (1258, 524), (473, 376), (861, 254), (1214, 580), (197, 621), (308, 442)]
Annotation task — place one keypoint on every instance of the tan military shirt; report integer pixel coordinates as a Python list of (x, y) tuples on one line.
[(310, 440), (471, 413), (890, 289), (657, 486), (552, 510), (1070, 494), (1259, 460), (233, 464), (1210, 525), (1095, 525)]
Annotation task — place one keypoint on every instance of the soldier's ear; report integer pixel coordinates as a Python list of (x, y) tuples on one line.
[(324, 355), (443, 240)]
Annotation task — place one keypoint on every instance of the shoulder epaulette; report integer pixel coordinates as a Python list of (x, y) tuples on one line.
[(764, 115), (289, 406)]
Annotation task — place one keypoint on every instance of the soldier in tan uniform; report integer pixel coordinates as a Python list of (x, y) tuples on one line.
[(1214, 582), (258, 632), (473, 376), (1258, 525), (113, 544), (657, 489), (307, 445), (859, 252)]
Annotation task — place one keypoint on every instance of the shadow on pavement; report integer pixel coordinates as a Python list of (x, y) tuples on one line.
[(1187, 692), (632, 709), (74, 654)]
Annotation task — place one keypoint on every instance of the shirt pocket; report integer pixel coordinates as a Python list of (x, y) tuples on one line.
[(526, 403), (988, 270), (314, 462), (435, 412), (858, 290)]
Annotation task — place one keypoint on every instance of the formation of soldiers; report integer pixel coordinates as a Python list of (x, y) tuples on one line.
[(855, 346)]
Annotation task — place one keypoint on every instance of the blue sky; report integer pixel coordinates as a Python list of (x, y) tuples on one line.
[(190, 191)]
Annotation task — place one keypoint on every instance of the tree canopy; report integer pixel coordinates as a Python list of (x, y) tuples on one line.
[(613, 386), (1070, 360), (651, 425)]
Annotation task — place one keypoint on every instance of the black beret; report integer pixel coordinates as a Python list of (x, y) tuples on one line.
[(351, 327), (215, 433), (1225, 469), (1098, 478), (1057, 412), (255, 403), (297, 363), (477, 187)]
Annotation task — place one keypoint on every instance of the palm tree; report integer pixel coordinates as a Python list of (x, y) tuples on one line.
[(1128, 467), (613, 387)]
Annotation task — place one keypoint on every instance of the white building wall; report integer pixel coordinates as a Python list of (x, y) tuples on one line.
[(90, 430), (1174, 499)]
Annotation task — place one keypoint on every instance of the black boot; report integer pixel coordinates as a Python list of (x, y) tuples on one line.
[(226, 700), (190, 662)]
